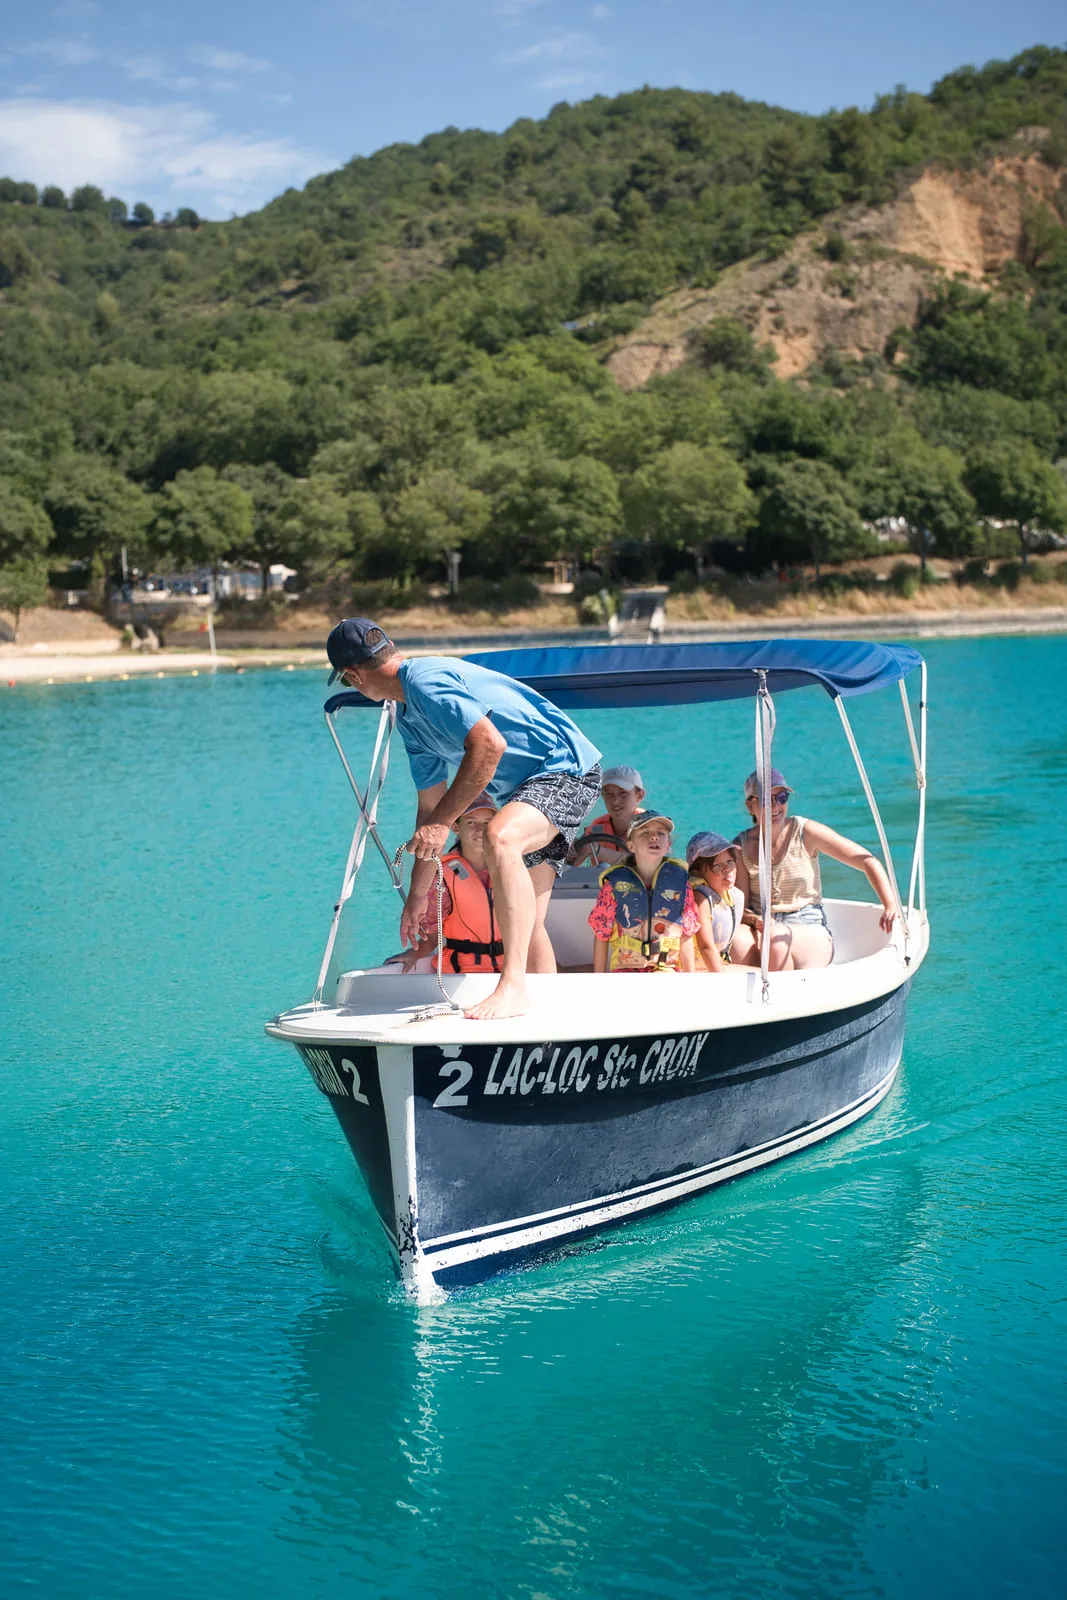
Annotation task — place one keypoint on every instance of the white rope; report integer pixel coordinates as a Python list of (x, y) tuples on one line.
[(918, 757), (765, 725), (920, 841), (875, 813), (365, 826), (450, 1007)]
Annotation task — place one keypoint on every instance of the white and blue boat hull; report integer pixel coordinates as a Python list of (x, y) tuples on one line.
[(476, 1155)]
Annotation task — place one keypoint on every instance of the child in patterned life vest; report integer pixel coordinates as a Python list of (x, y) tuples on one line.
[(645, 916), (472, 940), (604, 840), (722, 938)]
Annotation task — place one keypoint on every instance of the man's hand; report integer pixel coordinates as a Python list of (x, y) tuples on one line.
[(429, 840), (411, 919)]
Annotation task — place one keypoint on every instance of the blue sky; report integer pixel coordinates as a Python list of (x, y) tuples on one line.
[(220, 106)]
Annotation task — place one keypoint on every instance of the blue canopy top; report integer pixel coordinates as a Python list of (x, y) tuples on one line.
[(577, 676)]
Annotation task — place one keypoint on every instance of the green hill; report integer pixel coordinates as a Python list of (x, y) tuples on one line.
[(409, 354)]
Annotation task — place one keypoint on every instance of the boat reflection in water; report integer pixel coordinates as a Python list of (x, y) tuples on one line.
[(483, 1142)]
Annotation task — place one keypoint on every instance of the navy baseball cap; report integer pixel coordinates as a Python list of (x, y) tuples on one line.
[(352, 642)]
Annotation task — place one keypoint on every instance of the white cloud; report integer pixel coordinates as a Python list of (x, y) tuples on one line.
[(228, 61), (61, 52), (559, 47), (568, 80), (600, 12), (172, 156), (150, 69)]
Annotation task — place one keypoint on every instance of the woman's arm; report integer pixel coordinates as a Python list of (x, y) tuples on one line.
[(817, 836), (600, 955), (750, 915), (685, 954)]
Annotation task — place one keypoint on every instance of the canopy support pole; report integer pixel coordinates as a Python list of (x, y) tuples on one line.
[(365, 827), (388, 706), (765, 725), (877, 815), (918, 752)]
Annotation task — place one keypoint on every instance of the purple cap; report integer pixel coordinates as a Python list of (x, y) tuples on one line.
[(752, 783), (481, 802), (706, 846), (352, 642)]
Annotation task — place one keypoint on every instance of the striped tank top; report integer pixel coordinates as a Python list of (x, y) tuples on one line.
[(795, 879)]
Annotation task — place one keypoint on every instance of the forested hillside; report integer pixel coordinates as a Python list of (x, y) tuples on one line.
[(410, 354)]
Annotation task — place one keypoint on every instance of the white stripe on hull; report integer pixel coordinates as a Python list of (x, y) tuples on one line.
[(525, 1233)]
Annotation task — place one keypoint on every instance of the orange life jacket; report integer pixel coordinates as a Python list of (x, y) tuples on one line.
[(472, 938), (608, 846)]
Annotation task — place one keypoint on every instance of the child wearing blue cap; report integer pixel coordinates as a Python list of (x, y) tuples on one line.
[(722, 938)]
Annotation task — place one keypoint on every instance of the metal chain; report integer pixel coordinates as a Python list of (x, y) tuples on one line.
[(450, 1007)]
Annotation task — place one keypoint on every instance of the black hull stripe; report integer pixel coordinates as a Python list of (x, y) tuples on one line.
[(808, 1130)]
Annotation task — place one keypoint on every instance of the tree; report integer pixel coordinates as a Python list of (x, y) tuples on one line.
[(95, 512), (202, 519), (143, 215), (53, 198), (276, 532), (807, 513), (545, 507), (727, 344), (88, 198), (23, 583), (186, 218), (437, 514), (688, 497), (924, 484), (25, 531), (105, 311), (1012, 482), (116, 209)]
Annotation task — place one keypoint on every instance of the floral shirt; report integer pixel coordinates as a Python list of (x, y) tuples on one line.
[(602, 916)]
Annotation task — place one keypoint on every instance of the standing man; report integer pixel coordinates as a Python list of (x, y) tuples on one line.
[(499, 735)]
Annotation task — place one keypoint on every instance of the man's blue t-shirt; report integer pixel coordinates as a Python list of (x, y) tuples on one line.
[(444, 697)]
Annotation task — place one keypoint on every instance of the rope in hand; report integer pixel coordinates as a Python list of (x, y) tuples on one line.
[(449, 1008)]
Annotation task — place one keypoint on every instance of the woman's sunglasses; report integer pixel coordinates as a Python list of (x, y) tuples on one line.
[(779, 797)]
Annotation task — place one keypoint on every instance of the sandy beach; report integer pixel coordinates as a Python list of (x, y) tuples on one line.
[(91, 659)]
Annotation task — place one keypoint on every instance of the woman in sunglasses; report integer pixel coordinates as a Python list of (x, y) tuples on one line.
[(800, 933)]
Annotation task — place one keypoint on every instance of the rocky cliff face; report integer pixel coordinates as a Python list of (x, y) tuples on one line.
[(804, 304)]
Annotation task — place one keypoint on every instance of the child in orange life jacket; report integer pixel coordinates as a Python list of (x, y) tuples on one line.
[(604, 840), (645, 916), (472, 940)]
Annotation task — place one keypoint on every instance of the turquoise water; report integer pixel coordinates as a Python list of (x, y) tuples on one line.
[(841, 1376)]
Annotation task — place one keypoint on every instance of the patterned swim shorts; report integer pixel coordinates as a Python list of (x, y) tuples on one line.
[(565, 800)]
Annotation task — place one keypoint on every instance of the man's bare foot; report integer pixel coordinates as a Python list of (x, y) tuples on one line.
[(506, 1000)]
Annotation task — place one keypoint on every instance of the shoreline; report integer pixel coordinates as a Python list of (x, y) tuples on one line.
[(91, 661)]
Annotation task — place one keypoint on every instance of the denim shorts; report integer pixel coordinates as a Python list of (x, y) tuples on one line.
[(813, 916), (565, 799)]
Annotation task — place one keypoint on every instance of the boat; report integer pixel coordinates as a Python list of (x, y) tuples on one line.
[(485, 1143)]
